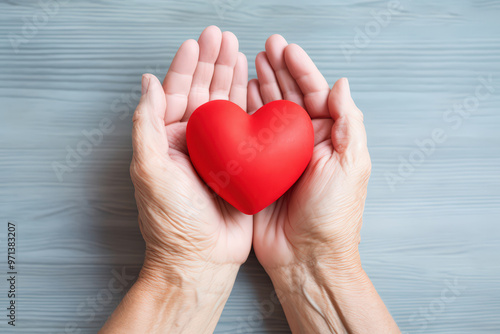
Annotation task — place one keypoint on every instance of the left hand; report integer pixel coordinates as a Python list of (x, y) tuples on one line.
[(195, 241), (188, 229)]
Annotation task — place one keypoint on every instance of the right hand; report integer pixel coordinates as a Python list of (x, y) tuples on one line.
[(319, 218), (308, 240)]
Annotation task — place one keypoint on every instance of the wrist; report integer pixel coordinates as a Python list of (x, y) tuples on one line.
[(340, 263), (155, 304), (328, 296), (312, 292), (312, 295), (193, 274), (320, 273), (187, 301)]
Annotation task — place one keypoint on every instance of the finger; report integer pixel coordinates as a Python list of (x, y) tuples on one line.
[(312, 84), (209, 42), (275, 51), (238, 92), (224, 67), (269, 88), (254, 99), (348, 131), (149, 137), (177, 83)]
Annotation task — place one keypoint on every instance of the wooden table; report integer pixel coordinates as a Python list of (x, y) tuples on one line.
[(425, 73)]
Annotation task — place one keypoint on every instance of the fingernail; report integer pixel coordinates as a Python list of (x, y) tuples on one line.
[(145, 84), (347, 86)]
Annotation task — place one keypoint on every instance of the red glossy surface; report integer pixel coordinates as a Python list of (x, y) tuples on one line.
[(250, 160)]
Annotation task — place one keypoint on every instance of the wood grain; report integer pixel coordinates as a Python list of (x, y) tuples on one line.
[(439, 225)]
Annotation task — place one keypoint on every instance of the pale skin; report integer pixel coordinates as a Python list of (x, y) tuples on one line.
[(307, 241)]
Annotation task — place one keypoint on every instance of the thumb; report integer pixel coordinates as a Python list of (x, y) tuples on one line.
[(348, 131), (149, 136)]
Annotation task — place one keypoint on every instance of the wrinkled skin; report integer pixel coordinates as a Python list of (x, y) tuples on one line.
[(187, 228), (319, 218), (195, 242)]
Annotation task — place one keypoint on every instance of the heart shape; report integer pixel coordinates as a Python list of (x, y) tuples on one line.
[(250, 160)]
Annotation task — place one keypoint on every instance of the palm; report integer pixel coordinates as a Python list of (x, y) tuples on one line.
[(227, 230), (196, 221), (329, 188)]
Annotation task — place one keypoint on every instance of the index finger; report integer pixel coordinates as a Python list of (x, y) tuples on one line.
[(310, 80)]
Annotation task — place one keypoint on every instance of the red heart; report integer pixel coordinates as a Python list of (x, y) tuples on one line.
[(250, 160)]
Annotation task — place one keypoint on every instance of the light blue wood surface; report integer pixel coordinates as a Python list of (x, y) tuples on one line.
[(439, 223)]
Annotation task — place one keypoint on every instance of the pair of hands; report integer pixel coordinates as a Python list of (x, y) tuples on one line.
[(307, 241), (185, 225)]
